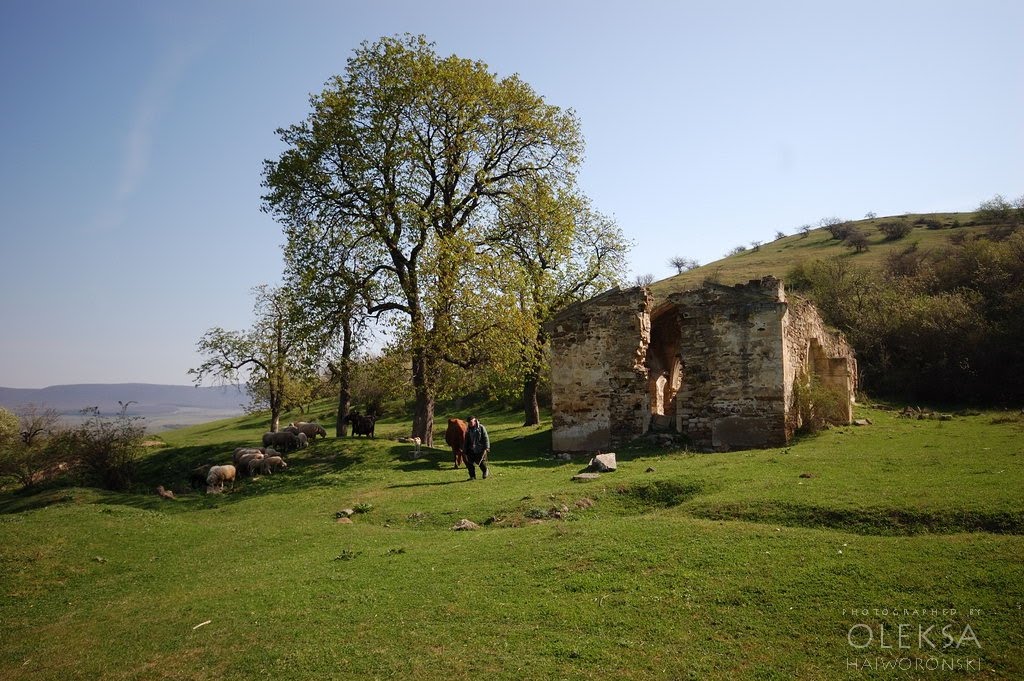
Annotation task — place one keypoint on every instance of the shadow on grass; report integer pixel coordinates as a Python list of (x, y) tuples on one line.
[(869, 521), (429, 484), (35, 498), (314, 467)]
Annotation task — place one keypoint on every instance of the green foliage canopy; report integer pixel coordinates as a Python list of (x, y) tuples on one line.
[(412, 155)]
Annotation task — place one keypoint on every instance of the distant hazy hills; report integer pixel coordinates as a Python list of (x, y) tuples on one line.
[(163, 406)]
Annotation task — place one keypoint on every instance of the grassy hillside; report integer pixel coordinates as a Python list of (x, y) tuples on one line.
[(779, 256), (751, 565)]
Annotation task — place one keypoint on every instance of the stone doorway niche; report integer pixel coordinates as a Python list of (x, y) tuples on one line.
[(665, 368), (831, 373)]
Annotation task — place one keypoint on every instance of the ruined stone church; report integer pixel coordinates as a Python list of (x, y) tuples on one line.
[(719, 366)]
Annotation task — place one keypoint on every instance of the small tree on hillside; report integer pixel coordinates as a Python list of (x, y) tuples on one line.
[(779, 234), (37, 422), (805, 231), (683, 264), (273, 350), (837, 227), (857, 240), (644, 279)]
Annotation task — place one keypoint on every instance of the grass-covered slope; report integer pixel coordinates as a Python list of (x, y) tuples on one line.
[(929, 231), (751, 564)]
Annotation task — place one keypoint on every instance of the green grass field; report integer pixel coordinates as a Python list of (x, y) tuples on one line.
[(677, 566)]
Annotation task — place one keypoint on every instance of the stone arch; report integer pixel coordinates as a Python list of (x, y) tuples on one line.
[(665, 366)]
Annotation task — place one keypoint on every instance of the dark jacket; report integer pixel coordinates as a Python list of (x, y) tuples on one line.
[(476, 440)]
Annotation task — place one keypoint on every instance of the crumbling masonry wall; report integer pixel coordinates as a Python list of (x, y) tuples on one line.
[(720, 367), (598, 376), (814, 353), (733, 394)]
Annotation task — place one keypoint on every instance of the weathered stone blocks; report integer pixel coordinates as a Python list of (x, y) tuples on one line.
[(717, 364)]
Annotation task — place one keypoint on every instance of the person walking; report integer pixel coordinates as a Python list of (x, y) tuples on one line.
[(478, 446)]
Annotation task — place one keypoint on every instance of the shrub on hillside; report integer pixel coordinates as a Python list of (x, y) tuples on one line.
[(839, 229), (856, 239), (25, 454), (930, 223), (996, 211), (894, 231), (906, 262), (942, 325), (106, 448)]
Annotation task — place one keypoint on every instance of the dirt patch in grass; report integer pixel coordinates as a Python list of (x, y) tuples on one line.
[(642, 496)]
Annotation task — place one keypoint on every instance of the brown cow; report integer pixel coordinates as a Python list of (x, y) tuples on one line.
[(456, 439)]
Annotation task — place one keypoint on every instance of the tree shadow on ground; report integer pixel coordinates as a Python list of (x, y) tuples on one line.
[(437, 483), (35, 498), (310, 468)]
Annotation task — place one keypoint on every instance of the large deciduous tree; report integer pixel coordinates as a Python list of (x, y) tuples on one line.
[(275, 351), (413, 153), (561, 251)]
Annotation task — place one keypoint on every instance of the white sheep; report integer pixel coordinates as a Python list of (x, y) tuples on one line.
[(217, 476)]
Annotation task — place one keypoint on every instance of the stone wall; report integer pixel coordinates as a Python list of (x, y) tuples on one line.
[(717, 364), (598, 371), (732, 351), (812, 351)]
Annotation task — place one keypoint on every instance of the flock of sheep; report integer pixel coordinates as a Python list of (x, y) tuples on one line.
[(263, 460)]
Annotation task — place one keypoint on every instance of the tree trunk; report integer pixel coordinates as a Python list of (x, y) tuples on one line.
[(344, 403), (344, 377), (275, 420), (531, 409), (423, 416)]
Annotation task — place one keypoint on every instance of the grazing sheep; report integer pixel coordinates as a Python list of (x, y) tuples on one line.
[(257, 466), (242, 451), (273, 463), (245, 462), (310, 428), (217, 476), (291, 428), (197, 478), (284, 442), (303, 440)]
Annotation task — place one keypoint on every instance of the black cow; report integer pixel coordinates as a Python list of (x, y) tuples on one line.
[(362, 424)]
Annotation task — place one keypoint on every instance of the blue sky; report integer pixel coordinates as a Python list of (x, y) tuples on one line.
[(133, 135)]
